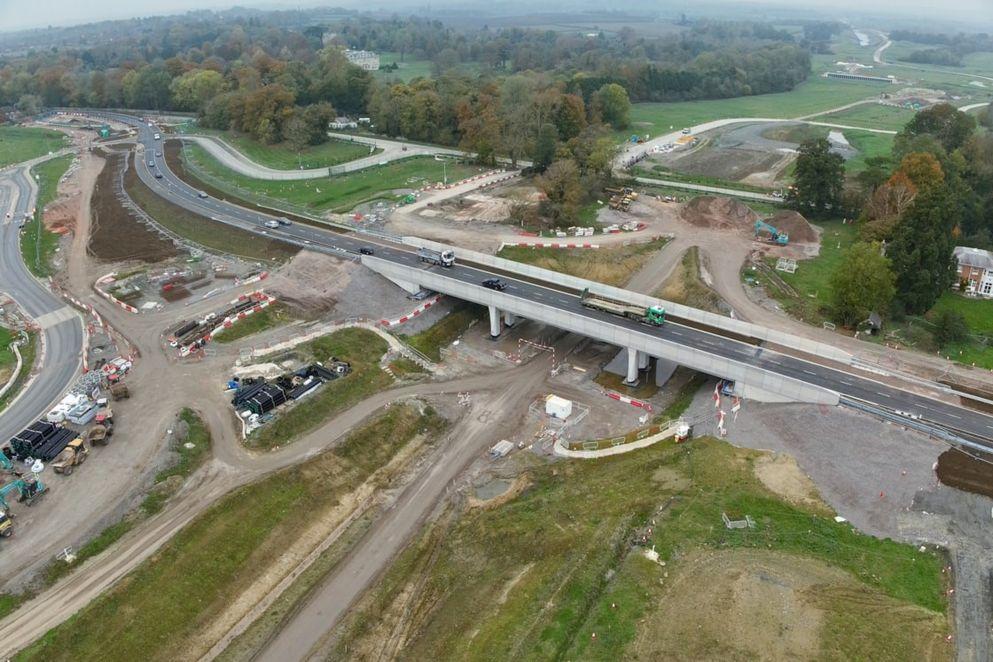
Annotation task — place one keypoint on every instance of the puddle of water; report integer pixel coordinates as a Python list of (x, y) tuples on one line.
[(493, 489)]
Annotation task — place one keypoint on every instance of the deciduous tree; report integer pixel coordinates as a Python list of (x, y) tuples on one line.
[(861, 284)]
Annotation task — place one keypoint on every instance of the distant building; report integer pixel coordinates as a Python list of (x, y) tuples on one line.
[(365, 59), (844, 75), (975, 270), (340, 123)]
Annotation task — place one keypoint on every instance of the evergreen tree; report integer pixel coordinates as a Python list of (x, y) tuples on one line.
[(922, 250), (818, 180)]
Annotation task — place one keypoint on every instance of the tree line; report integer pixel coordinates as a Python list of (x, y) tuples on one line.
[(933, 193)]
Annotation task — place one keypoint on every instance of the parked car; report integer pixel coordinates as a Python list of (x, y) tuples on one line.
[(494, 284), (366, 251)]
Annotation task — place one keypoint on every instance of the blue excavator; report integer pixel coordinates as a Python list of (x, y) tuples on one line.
[(28, 489), (763, 229)]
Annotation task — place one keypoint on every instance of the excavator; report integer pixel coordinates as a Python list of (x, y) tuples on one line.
[(28, 490), (781, 238)]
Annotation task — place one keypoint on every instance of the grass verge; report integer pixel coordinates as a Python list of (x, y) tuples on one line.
[(198, 229), (37, 243), (156, 611), (28, 353), (340, 193), (274, 315), (612, 266), (282, 156), (685, 286), (360, 347), (441, 334)]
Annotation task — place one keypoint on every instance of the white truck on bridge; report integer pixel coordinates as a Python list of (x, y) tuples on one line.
[(444, 258)]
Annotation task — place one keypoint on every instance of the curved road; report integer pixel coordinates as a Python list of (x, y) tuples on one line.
[(61, 344), (391, 150)]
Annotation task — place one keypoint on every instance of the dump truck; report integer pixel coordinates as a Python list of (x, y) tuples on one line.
[(99, 435), (119, 391), (444, 258), (654, 315), (73, 455)]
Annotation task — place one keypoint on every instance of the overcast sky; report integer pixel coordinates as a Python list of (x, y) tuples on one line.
[(19, 14)]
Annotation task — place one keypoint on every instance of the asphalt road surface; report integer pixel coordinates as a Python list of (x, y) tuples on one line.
[(966, 421), (62, 328)]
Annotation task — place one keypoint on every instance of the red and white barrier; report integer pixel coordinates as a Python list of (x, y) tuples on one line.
[(252, 279), (412, 314), (630, 401), (109, 278), (541, 244)]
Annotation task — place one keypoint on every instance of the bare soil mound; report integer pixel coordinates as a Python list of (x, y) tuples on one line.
[(310, 283), (796, 226), (764, 605), (719, 213), (965, 472)]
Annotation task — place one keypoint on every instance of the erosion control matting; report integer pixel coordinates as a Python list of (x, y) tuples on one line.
[(115, 234), (971, 472)]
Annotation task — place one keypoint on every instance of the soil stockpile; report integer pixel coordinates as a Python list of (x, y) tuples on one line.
[(965, 472), (310, 283), (719, 213), (795, 225)]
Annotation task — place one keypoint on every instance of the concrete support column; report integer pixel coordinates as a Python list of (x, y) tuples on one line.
[(494, 322), (632, 367), (642, 360), (509, 319)]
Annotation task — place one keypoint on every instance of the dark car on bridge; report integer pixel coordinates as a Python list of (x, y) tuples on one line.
[(366, 251), (495, 284)]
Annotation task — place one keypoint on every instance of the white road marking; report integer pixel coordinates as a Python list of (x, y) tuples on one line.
[(810, 373), (953, 415), (846, 383)]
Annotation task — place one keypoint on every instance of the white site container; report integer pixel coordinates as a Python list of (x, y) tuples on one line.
[(557, 407)]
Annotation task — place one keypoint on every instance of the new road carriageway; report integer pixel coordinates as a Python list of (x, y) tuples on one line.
[(764, 363)]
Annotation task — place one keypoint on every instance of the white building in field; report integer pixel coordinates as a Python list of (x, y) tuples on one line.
[(365, 59)]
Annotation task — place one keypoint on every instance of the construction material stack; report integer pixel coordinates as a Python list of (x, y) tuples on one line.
[(41, 440), (621, 198)]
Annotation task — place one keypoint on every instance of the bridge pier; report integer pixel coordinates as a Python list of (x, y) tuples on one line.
[(494, 322), (643, 361), (632, 376), (509, 318)]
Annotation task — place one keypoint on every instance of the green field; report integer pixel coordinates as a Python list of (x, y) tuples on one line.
[(340, 193), (19, 144), (38, 244), (283, 156), (558, 572), (409, 68), (613, 266), (159, 609), (872, 116), (814, 95)]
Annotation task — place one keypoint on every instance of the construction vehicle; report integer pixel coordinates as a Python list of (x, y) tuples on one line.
[(6, 524), (28, 490), (654, 315), (762, 228), (119, 391), (73, 455), (99, 435), (444, 258)]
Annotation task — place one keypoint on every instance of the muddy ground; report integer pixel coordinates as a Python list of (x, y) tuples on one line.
[(116, 234)]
